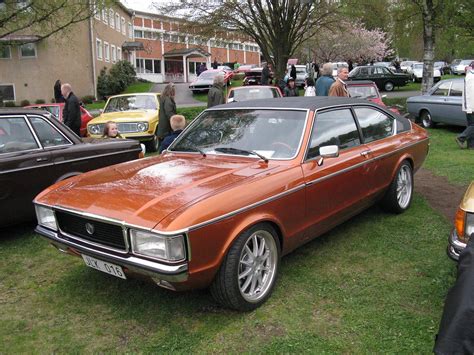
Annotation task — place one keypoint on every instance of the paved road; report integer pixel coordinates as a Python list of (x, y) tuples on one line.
[(184, 96)]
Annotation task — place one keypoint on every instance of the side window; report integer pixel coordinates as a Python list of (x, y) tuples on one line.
[(456, 88), (15, 135), (364, 71), (335, 127), (442, 89), (374, 124), (47, 134)]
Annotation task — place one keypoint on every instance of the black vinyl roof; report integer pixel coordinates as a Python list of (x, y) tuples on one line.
[(21, 111), (301, 102)]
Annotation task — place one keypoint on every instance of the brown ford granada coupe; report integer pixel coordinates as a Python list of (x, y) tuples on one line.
[(36, 150), (243, 184)]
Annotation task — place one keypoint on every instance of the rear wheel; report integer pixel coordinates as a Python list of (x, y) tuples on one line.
[(399, 194), (388, 86), (153, 145), (426, 119), (248, 273)]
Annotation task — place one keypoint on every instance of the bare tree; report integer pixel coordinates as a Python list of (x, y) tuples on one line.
[(279, 27), (39, 19)]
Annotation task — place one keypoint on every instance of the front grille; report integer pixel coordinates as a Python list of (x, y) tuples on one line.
[(106, 234), (127, 127)]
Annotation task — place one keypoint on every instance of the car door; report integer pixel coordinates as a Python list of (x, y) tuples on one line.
[(335, 187), (438, 107), (24, 169), (453, 103)]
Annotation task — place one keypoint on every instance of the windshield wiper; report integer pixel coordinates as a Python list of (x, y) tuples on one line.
[(240, 151)]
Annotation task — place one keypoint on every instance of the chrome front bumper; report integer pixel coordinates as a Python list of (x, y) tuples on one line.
[(455, 246), (156, 270)]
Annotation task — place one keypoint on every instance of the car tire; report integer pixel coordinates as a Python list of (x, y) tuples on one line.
[(153, 145), (398, 197), (426, 120), (247, 276), (388, 86)]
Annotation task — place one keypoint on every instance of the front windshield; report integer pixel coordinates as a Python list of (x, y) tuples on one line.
[(418, 66), (131, 102), (364, 92), (271, 133)]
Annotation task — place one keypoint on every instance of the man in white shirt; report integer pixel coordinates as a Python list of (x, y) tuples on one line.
[(467, 136)]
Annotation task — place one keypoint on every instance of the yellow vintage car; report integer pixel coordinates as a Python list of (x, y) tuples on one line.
[(136, 116), (463, 224)]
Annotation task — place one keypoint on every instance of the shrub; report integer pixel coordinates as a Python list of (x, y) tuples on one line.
[(88, 99), (39, 101), (121, 75), (9, 104), (24, 103), (103, 84)]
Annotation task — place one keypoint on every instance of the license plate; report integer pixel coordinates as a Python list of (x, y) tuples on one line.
[(103, 266)]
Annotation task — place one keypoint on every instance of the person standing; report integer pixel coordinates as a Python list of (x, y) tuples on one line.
[(58, 97), (215, 95), (467, 136), (350, 65), (293, 71), (316, 70), (167, 109), (291, 89), (71, 110), (265, 75), (339, 88), (215, 64), (309, 89), (324, 82)]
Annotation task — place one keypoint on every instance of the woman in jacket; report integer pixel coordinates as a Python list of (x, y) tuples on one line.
[(167, 109)]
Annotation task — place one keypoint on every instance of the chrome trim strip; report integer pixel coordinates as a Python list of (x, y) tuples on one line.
[(163, 270)]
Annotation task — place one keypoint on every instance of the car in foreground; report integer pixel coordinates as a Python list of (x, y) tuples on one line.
[(246, 93), (301, 74), (366, 89), (382, 76), (441, 104), (36, 151), (56, 109), (205, 80), (417, 73), (242, 185), (136, 116), (463, 224), (460, 68)]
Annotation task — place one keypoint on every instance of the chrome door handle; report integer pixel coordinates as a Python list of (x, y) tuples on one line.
[(41, 159), (365, 153)]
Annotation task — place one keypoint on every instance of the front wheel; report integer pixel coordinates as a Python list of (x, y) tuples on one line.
[(388, 86), (400, 192), (248, 273)]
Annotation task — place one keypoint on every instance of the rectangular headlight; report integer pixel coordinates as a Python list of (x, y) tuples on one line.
[(157, 246), (46, 217)]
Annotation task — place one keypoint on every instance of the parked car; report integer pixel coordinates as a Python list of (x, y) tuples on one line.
[(460, 68), (242, 185), (244, 68), (441, 104), (136, 116), (453, 64), (463, 224), (206, 79), (366, 89), (301, 74), (388, 65), (36, 150), (417, 73), (57, 111), (253, 92), (443, 67), (382, 76), (254, 76), (405, 65)]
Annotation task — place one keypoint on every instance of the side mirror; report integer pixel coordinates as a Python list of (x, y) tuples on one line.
[(329, 151), (230, 99)]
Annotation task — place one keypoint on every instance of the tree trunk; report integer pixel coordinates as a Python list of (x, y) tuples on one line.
[(429, 44)]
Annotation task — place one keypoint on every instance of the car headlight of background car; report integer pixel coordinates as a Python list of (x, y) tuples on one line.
[(464, 224), (46, 217), (170, 248)]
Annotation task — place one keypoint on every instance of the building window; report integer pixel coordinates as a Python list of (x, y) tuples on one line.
[(117, 22), (148, 66), (124, 29), (111, 18), (166, 37), (8, 92), (119, 53), (98, 48), (114, 53), (138, 34), (28, 50), (105, 16), (5, 52), (106, 52), (96, 12), (130, 30)]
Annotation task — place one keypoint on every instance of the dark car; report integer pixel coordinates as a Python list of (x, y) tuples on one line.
[(254, 76), (36, 150), (382, 76)]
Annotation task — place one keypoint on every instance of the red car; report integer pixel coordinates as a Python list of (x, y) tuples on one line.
[(366, 89), (205, 80), (57, 111)]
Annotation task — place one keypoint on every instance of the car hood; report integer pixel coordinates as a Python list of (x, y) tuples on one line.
[(203, 82), (125, 116), (145, 191)]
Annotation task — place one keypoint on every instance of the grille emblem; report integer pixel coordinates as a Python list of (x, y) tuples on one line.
[(90, 228)]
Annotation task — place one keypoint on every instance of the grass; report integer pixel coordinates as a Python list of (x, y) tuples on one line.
[(375, 284)]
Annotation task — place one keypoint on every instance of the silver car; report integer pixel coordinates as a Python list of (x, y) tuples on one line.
[(460, 68), (442, 104)]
